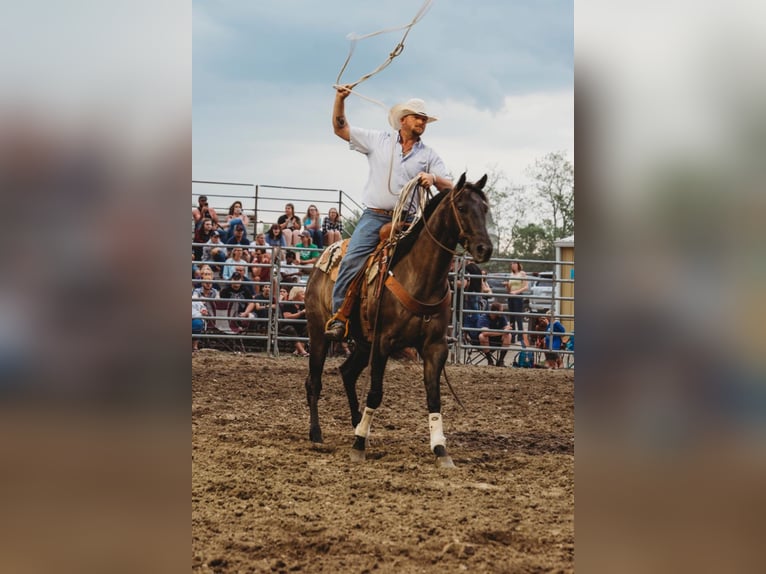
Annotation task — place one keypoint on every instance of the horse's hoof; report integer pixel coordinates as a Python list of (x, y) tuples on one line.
[(357, 455), (444, 462), (315, 436)]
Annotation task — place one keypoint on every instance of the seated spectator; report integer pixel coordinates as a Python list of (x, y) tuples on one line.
[(195, 272), (199, 311), (289, 270), (275, 238), (259, 244), (240, 302), (202, 211), (214, 251), (202, 234), (495, 330), (552, 342), (244, 271), (261, 271), (263, 301), (290, 225), (238, 238), (308, 257), (332, 227), (236, 217), (204, 269), (293, 311), (235, 259), (313, 224), (206, 290)]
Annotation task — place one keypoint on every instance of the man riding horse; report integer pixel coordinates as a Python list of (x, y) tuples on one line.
[(394, 159)]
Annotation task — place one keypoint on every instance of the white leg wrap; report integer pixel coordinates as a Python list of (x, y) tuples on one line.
[(437, 431), (363, 428)]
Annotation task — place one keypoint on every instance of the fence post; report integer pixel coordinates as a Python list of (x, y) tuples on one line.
[(256, 219)]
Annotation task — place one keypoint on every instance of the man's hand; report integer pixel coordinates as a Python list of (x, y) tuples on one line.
[(342, 92), (426, 179)]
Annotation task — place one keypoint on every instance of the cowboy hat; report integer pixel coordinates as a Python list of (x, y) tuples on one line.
[(411, 106)]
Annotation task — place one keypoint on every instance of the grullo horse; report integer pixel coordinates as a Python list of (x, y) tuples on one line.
[(411, 310)]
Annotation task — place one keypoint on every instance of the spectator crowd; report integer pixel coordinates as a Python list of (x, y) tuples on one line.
[(253, 282)]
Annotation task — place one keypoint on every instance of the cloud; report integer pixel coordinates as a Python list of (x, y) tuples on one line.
[(477, 56), (500, 77)]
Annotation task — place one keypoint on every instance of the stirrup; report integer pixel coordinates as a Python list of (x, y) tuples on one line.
[(342, 319)]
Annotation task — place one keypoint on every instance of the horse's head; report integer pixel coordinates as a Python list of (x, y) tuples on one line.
[(470, 208)]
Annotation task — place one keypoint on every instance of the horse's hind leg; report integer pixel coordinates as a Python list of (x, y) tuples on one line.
[(350, 370)]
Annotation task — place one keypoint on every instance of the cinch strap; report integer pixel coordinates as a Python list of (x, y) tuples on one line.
[(410, 303)]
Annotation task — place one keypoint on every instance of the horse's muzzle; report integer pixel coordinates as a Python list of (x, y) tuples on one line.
[(482, 252)]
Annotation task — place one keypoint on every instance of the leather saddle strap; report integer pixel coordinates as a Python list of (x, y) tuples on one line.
[(410, 303)]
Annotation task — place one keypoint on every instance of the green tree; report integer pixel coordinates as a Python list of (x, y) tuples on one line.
[(509, 205), (530, 241), (553, 184)]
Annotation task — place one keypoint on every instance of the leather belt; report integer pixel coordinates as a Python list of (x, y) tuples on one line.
[(381, 212)]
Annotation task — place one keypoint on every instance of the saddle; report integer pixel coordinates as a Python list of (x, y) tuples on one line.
[(363, 289), (366, 287)]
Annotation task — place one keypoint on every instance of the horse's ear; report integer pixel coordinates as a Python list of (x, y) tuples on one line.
[(482, 182), (460, 182)]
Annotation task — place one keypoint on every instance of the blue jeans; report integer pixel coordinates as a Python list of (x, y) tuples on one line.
[(230, 230), (362, 243), (316, 237)]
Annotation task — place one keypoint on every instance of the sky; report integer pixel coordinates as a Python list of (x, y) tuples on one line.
[(497, 73)]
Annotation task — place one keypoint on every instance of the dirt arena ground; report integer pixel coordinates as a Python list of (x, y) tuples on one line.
[(264, 500)]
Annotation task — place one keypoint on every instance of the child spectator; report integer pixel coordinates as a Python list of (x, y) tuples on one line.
[(332, 227), (313, 224)]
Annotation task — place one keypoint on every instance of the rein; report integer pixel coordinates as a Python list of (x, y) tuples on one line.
[(461, 236)]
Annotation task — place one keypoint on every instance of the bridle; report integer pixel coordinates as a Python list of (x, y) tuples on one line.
[(462, 236)]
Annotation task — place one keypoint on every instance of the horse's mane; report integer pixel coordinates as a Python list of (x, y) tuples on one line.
[(405, 244)]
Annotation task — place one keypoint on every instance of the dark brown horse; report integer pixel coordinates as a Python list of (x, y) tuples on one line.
[(411, 311)]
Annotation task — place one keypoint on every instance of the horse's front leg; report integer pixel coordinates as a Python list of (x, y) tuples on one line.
[(317, 356), (374, 398), (434, 358)]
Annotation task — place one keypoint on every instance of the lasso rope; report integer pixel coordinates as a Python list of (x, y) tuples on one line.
[(394, 53)]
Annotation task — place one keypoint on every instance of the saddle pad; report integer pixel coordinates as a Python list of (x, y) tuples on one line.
[(329, 261)]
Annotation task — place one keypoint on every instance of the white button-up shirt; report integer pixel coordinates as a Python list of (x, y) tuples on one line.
[(384, 155)]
